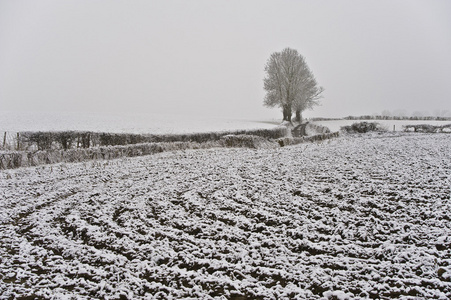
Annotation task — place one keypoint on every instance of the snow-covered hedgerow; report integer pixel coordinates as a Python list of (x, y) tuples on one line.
[(54, 147), (428, 128), (287, 141), (248, 141), (16, 159), (363, 127), (352, 217), (85, 139), (315, 129)]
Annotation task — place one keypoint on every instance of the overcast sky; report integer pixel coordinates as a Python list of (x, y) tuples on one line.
[(208, 57)]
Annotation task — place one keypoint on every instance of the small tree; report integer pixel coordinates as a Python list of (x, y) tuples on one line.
[(289, 84)]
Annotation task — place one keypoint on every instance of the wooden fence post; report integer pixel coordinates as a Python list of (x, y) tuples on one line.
[(4, 140), (18, 141)]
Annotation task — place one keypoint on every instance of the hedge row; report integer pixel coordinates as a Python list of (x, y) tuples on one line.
[(413, 118), (66, 140), (427, 128), (16, 159), (364, 127), (247, 141)]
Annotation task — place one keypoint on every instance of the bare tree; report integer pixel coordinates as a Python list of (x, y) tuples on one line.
[(283, 76), (309, 95), (289, 83)]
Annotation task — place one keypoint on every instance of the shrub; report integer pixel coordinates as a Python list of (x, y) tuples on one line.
[(65, 139), (85, 139), (248, 141), (43, 140), (362, 127)]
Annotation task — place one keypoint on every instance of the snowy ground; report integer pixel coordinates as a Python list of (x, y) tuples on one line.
[(358, 217), (146, 122)]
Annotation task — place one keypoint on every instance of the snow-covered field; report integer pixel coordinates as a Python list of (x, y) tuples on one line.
[(354, 217), (145, 122)]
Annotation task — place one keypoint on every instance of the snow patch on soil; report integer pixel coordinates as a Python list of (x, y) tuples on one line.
[(353, 217)]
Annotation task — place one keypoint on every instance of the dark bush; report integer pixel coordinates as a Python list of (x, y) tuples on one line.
[(43, 140), (65, 139), (85, 139), (362, 127), (112, 139), (136, 139)]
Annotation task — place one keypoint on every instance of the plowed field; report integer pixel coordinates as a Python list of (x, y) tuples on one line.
[(354, 217)]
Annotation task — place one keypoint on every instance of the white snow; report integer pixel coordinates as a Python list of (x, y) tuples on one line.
[(354, 217), (145, 122)]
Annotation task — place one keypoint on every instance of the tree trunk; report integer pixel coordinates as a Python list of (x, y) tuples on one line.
[(298, 116), (287, 113), (284, 111)]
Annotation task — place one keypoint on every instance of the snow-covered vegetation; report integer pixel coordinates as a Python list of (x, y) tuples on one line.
[(391, 125), (362, 127), (353, 217), (290, 84)]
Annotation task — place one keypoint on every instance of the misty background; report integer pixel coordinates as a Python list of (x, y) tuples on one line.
[(207, 58)]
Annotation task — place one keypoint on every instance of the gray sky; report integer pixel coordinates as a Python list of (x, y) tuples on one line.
[(208, 57)]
